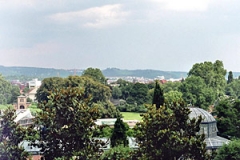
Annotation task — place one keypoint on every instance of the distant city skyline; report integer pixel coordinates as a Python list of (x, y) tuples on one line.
[(167, 35)]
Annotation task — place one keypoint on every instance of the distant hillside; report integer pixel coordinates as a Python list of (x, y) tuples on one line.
[(27, 73), (148, 73), (23, 73)]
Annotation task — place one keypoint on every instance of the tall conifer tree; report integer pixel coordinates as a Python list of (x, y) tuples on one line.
[(119, 136), (158, 98), (230, 77)]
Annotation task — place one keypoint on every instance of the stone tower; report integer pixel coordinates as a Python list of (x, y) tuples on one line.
[(22, 103)]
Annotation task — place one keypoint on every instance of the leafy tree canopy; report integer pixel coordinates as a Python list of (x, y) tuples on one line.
[(11, 134), (138, 94), (119, 135), (167, 133), (213, 74), (195, 92), (117, 153), (66, 125), (233, 89), (229, 151), (228, 113), (173, 96), (8, 92), (95, 74), (99, 93)]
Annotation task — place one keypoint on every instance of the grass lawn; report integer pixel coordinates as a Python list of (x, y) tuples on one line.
[(131, 116)]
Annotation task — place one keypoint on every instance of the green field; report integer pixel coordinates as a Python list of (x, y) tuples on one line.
[(131, 116)]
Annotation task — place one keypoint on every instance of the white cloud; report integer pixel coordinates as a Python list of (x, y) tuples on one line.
[(96, 17), (184, 5)]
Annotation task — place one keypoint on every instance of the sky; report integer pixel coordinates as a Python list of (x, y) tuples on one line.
[(168, 35)]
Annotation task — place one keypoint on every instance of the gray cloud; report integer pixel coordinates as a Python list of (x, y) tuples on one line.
[(155, 34)]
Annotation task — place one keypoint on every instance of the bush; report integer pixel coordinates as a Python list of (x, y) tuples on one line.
[(117, 153), (229, 151)]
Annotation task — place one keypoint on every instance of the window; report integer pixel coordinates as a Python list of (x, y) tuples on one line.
[(21, 100)]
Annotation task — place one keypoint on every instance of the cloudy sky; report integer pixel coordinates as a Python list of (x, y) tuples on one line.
[(169, 35)]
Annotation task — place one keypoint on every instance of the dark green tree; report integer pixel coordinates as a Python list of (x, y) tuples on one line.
[(229, 151), (213, 75), (170, 86), (11, 135), (8, 92), (100, 94), (15, 92), (228, 113), (116, 92), (67, 124), (48, 85), (95, 74), (195, 92), (117, 153), (119, 135), (230, 77), (173, 96), (233, 89), (125, 87), (158, 98), (168, 133), (138, 94)]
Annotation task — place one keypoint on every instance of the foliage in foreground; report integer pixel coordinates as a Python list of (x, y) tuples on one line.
[(228, 113), (229, 151), (168, 133), (117, 153), (67, 125), (119, 135), (11, 134)]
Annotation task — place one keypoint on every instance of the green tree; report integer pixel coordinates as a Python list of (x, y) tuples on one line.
[(98, 91), (119, 135), (138, 94), (230, 77), (173, 96), (158, 98), (171, 86), (116, 92), (213, 74), (15, 92), (117, 153), (125, 87), (8, 92), (229, 151), (233, 89), (196, 92), (48, 85), (103, 131), (168, 133), (100, 94), (67, 125), (228, 113), (107, 110), (95, 74), (11, 134)]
